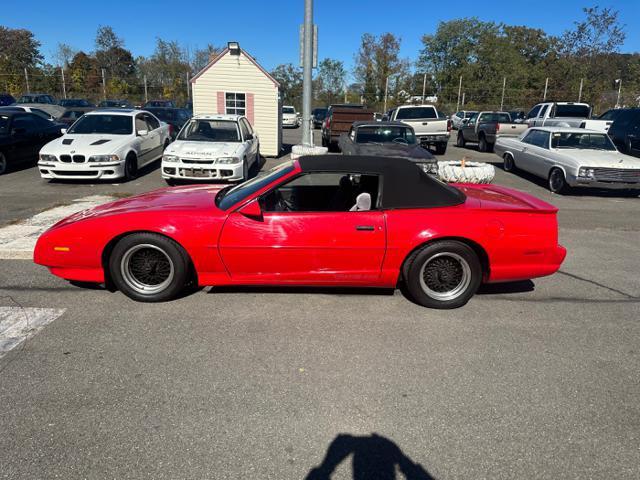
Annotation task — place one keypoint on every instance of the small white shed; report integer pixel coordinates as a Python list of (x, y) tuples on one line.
[(234, 83)]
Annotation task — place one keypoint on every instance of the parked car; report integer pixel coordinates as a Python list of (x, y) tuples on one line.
[(159, 103), (430, 128), (37, 111), (570, 157), (458, 117), (484, 128), (75, 103), (319, 114), (72, 114), (562, 114), (625, 131), (6, 99), (105, 144), (290, 117), (37, 98), (339, 119), (212, 147), (115, 104), (329, 220), (387, 139), (22, 134), (174, 117)]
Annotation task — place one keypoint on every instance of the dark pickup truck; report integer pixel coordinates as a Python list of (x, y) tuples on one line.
[(339, 120), (387, 139), (484, 127)]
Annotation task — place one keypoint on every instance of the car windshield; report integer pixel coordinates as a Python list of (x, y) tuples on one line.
[(203, 130), (230, 196), (74, 103), (320, 113), (288, 110), (572, 111), (4, 124), (164, 114), (385, 134), (26, 99), (609, 115), (107, 124), (416, 113), (582, 141)]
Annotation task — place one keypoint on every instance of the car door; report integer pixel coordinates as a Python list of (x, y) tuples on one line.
[(249, 141), (540, 161), (27, 136), (155, 136), (468, 128), (145, 141), (521, 151), (307, 235)]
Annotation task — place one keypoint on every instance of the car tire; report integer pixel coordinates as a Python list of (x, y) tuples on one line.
[(3, 163), (166, 144), (170, 182), (444, 274), (245, 171), (460, 142), (509, 163), (441, 148), (482, 144), (130, 167), (149, 267), (557, 182)]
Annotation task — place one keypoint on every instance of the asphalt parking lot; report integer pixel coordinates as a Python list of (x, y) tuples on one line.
[(530, 380)]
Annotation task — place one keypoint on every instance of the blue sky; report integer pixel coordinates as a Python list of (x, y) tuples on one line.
[(269, 29)]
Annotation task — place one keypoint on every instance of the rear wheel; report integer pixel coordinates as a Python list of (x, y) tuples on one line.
[(441, 148), (482, 144), (558, 182), (149, 267), (443, 274), (3, 163), (509, 163), (460, 142)]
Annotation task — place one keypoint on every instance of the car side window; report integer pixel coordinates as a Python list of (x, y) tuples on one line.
[(542, 139), (152, 122), (534, 112), (243, 129), (472, 119), (25, 122), (141, 124), (528, 137), (543, 111), (324, 192)]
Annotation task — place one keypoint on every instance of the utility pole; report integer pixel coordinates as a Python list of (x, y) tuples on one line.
[(188, 89), (26, 78), (307, 84), (463, 96), (345, 93), (459, 92), (546, 86), (580, 93), (619, 82), (104, 86), (386, 92), (504, 85), (424, 86), (146, 96), (64, 85)]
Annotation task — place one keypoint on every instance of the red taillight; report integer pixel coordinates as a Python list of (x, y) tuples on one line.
[(497, 127), (170, 129), (327, 122), (449, 125)]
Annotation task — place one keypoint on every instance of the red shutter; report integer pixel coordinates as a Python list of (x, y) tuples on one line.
[(250, 108), (221, 108)]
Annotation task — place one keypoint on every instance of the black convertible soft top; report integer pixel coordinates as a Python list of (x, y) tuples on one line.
[(404, 184)]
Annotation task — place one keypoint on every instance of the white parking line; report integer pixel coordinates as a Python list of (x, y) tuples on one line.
[(17, 324), (17, 241)]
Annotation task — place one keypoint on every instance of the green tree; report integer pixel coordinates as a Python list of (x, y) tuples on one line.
[(202, 56), (18, 50), (330, 80), (290, 79)]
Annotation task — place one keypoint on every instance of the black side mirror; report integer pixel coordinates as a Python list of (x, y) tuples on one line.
[(249, 137)]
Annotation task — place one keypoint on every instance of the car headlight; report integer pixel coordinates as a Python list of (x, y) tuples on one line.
[(586, 172), (170, 158), (104, 158), (47, 158), (430, 168), (227, 160)]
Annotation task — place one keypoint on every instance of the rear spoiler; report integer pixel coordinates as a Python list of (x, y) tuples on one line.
[(534, 202), (522, 202)]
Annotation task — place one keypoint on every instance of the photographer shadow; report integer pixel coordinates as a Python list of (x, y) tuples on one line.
[(374, 458)]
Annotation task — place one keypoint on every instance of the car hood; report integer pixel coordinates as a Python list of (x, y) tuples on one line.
[(289, 115), (87, 144), (411, 152), (601, 158), (203, 149), (189, 199)]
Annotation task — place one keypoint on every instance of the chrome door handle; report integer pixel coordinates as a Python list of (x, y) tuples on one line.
[(365, 228)]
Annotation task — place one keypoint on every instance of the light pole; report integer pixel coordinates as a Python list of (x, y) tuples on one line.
[(386, 91), (619, 82), (306, 72)]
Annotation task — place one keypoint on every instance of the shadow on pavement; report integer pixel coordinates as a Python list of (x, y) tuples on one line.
[(374, 458), (303, 290), (508, 287)]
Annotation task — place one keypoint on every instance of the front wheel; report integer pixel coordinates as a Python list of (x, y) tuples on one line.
[(460, 141), (130, 167), (443, 274), (441, 148), (3, 163), (148, 267), (558, 182), (482, 144), (509, 164)]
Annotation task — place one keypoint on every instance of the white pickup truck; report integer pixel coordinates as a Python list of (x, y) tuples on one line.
[(564, 114), (429, 126)]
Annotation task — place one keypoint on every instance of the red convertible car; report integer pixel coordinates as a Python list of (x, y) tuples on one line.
[(319, 221)]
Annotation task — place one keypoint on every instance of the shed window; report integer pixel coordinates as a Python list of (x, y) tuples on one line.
[(235, 103)]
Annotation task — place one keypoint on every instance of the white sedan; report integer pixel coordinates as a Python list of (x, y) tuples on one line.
[(570, 157), (212, 147), (105, 144)]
